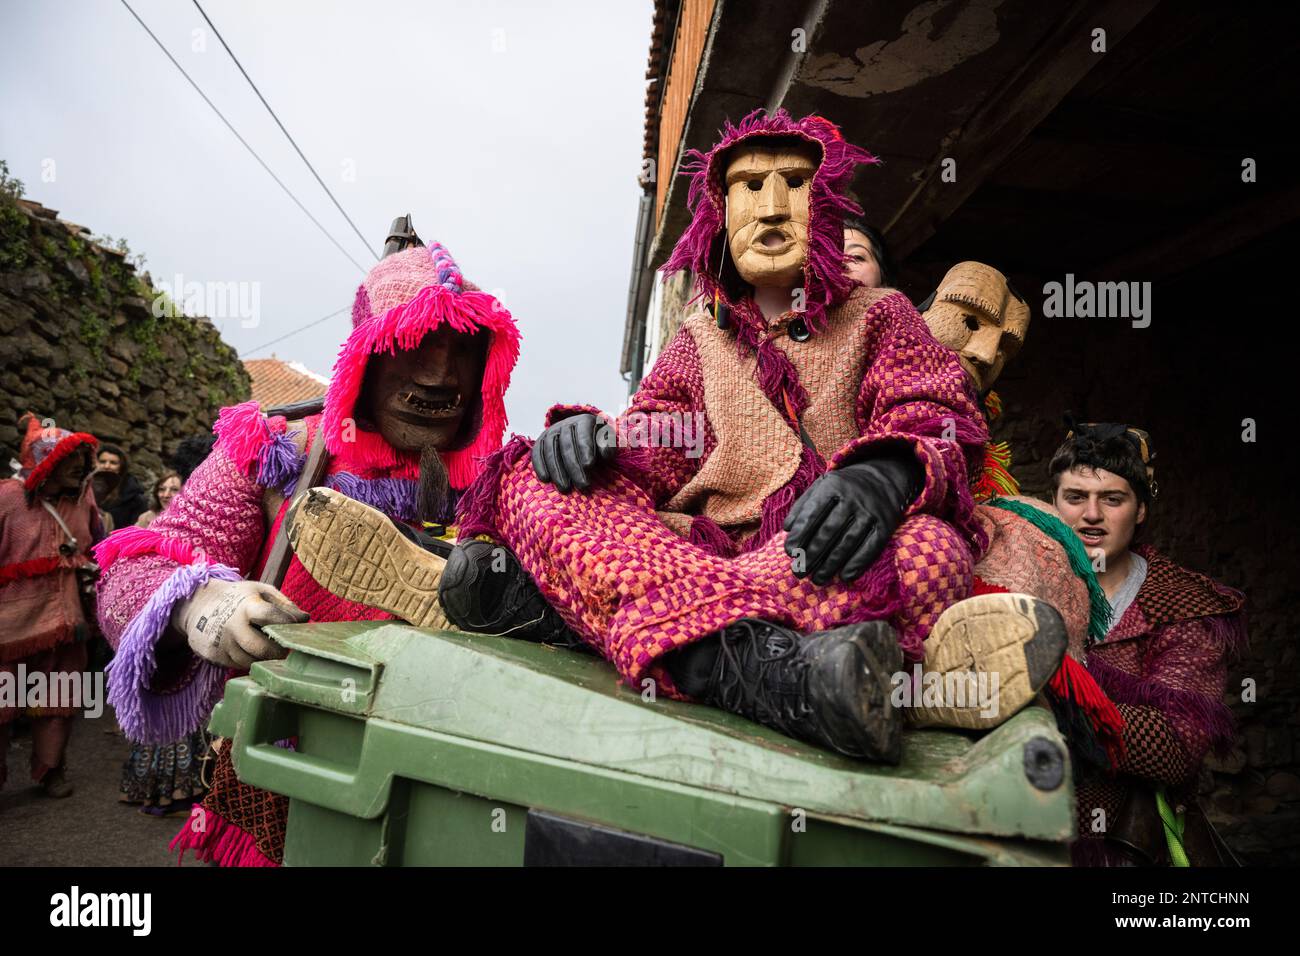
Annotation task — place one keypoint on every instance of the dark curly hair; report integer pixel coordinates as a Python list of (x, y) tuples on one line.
[(190, 453), (1119, 449)]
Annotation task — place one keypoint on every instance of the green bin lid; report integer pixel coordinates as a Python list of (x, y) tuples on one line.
[(569, 705)]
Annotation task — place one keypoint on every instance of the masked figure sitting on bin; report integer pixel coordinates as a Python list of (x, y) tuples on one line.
[(788, 571), (978, 314), (415, 402)]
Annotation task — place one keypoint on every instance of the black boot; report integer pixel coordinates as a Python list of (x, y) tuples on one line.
[(831, 688), (429, 542), (485, 590)]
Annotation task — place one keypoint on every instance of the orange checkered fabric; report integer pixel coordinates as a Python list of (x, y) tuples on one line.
[(635, 590)]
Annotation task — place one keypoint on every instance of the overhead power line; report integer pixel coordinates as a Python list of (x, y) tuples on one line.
[(292, 142), (301, 328), (241, 139)]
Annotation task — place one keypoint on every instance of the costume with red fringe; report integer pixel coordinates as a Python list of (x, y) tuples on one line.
[(680, 538), (42, 625), (1032, 552), (994, 478), (216, 528)]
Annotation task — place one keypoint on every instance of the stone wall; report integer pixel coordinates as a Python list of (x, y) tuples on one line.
[(82, 345)]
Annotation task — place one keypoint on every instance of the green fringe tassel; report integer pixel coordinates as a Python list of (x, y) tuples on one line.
[(1080, 563)]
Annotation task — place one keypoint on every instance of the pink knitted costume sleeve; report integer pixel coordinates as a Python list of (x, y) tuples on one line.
[(214, 529), (672, 392), (916, 393)]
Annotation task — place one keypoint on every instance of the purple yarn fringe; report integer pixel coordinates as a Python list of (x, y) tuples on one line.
[(477, 511), (708, 535), (777, 505), (151, 718), (776, 373), (881, 599), (395, 497), (1210, 716), (280, 464)]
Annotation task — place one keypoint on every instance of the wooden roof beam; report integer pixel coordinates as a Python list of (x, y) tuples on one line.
[(1009, 115)]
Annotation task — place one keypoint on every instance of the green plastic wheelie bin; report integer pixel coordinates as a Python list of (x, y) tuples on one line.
[(413, 747)]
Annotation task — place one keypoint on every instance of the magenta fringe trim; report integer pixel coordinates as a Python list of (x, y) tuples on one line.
[(477, 509), (1211, 717), (242, 431), (777, 505), (1229, 630), (132, 542), (219, 841), (402, 327), (708, 535), (825, 282), (776, 373), (964, 520), (881, 598)]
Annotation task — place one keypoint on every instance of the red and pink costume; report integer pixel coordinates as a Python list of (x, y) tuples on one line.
[(43, 628), (1165, 664), (218, 527)]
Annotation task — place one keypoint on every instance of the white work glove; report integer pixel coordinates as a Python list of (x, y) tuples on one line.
[(222, 621)]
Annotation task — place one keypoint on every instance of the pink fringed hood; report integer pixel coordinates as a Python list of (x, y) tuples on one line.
[(703, 245), (404, 297)]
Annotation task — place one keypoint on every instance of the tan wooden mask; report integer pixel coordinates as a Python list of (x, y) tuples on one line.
[(975, 313), (767, 212)]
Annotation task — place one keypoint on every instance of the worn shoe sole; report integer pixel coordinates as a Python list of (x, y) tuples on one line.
[(1016, 639), (356, 553)]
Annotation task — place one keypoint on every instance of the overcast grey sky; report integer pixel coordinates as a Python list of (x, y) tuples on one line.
[(511, 131)]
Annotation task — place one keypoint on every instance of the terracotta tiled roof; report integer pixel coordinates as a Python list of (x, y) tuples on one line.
[(276, 382), (663, 24)]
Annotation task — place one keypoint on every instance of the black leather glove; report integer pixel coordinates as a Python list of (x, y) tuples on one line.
[(567, 453), (843, 521)]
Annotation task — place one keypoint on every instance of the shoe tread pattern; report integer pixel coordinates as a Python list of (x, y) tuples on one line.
[(993, 633), (356, 553)]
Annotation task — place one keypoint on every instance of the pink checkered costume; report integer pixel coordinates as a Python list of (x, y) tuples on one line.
[(670, 545)]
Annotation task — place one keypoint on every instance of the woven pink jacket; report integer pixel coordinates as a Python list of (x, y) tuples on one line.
[(1165, 665), (874, 377)]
